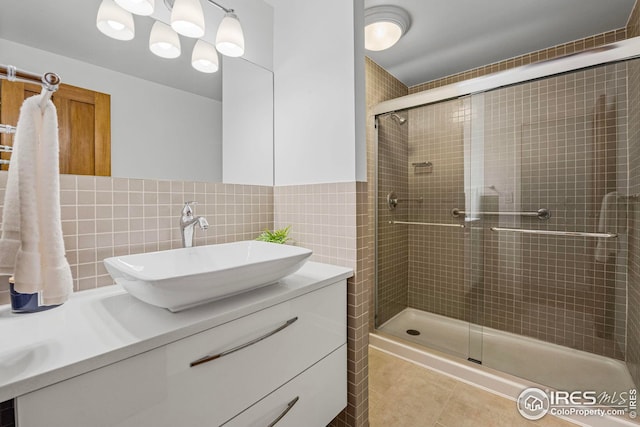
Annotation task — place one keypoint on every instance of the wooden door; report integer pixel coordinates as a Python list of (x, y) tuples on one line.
[(84, 122)]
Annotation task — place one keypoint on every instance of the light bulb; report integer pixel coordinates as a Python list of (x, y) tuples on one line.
[(187, 18), (118, 26), (229, 38), (115, 22), (163, 41), (381, 35), (204, 57)]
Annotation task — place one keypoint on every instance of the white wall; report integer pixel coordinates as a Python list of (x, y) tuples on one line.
[(256, 18), (156, 131), (360, 92), (319, 92), (247, 114)]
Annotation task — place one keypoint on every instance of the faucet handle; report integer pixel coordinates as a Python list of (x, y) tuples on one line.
[(187, 209)]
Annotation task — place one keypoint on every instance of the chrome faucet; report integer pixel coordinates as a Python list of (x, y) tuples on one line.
[(188, 222)]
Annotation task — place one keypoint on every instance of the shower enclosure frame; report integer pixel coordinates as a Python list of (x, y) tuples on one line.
[(604, 55), (607, 54)]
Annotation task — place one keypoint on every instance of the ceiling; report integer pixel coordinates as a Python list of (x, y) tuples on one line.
[(445, 37), (450, 36)]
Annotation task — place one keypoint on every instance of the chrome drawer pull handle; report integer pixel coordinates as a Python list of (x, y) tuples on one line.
[(211, 357), (285, 412)]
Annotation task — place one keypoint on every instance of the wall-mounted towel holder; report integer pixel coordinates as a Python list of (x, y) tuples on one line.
[(7, 129), (49, 81)]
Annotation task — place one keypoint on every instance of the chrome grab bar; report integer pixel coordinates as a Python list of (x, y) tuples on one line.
[(557, 233), (211, 357), (542, 213), (427, 223), (286, 410)]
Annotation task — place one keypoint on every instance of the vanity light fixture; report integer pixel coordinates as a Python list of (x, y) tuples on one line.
[(229, 38), (114, 21), (384, 26), (139, 7), (187, 18), (205, 57), (163, 41)]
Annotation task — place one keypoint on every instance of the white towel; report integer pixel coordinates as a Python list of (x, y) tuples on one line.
[(31, 245), (608, 223), (10, 237), (56, 273), (27, 265)]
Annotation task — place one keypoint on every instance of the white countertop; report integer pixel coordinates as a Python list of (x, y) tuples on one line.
[(102, 326)]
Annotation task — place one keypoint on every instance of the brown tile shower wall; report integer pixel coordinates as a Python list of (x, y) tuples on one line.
[(331, 219), (393, 248), (557, 143), (437, 253), (103, 217), (633, 326), (570, 151), (381, 86)]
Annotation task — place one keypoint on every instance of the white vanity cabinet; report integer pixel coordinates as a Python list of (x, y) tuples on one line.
[(237, 373), (304, 401)]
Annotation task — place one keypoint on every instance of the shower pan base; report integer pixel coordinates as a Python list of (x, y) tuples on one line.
[(443, 346)]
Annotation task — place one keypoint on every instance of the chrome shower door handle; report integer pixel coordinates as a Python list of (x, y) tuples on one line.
[(542, 213), (211, 357), (285, 412)]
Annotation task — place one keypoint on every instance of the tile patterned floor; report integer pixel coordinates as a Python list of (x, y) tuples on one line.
[(435, 400)]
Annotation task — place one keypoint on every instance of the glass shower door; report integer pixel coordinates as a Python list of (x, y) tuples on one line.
[(423, 266), (554, 287)]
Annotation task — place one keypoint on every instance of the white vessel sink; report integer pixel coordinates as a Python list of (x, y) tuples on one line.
[(182, 278)]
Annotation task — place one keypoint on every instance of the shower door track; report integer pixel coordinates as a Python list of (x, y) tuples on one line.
[(613, 52)]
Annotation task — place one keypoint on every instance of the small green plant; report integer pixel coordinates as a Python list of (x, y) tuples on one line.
[(276, 236)]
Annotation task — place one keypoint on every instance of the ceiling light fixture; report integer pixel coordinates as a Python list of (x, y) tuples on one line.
[(163, 41), (384, 26), (139, 7), (114, 21)]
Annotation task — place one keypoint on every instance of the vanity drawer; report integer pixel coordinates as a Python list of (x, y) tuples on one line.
[(241, 378), (161, 388), (312, 399)]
